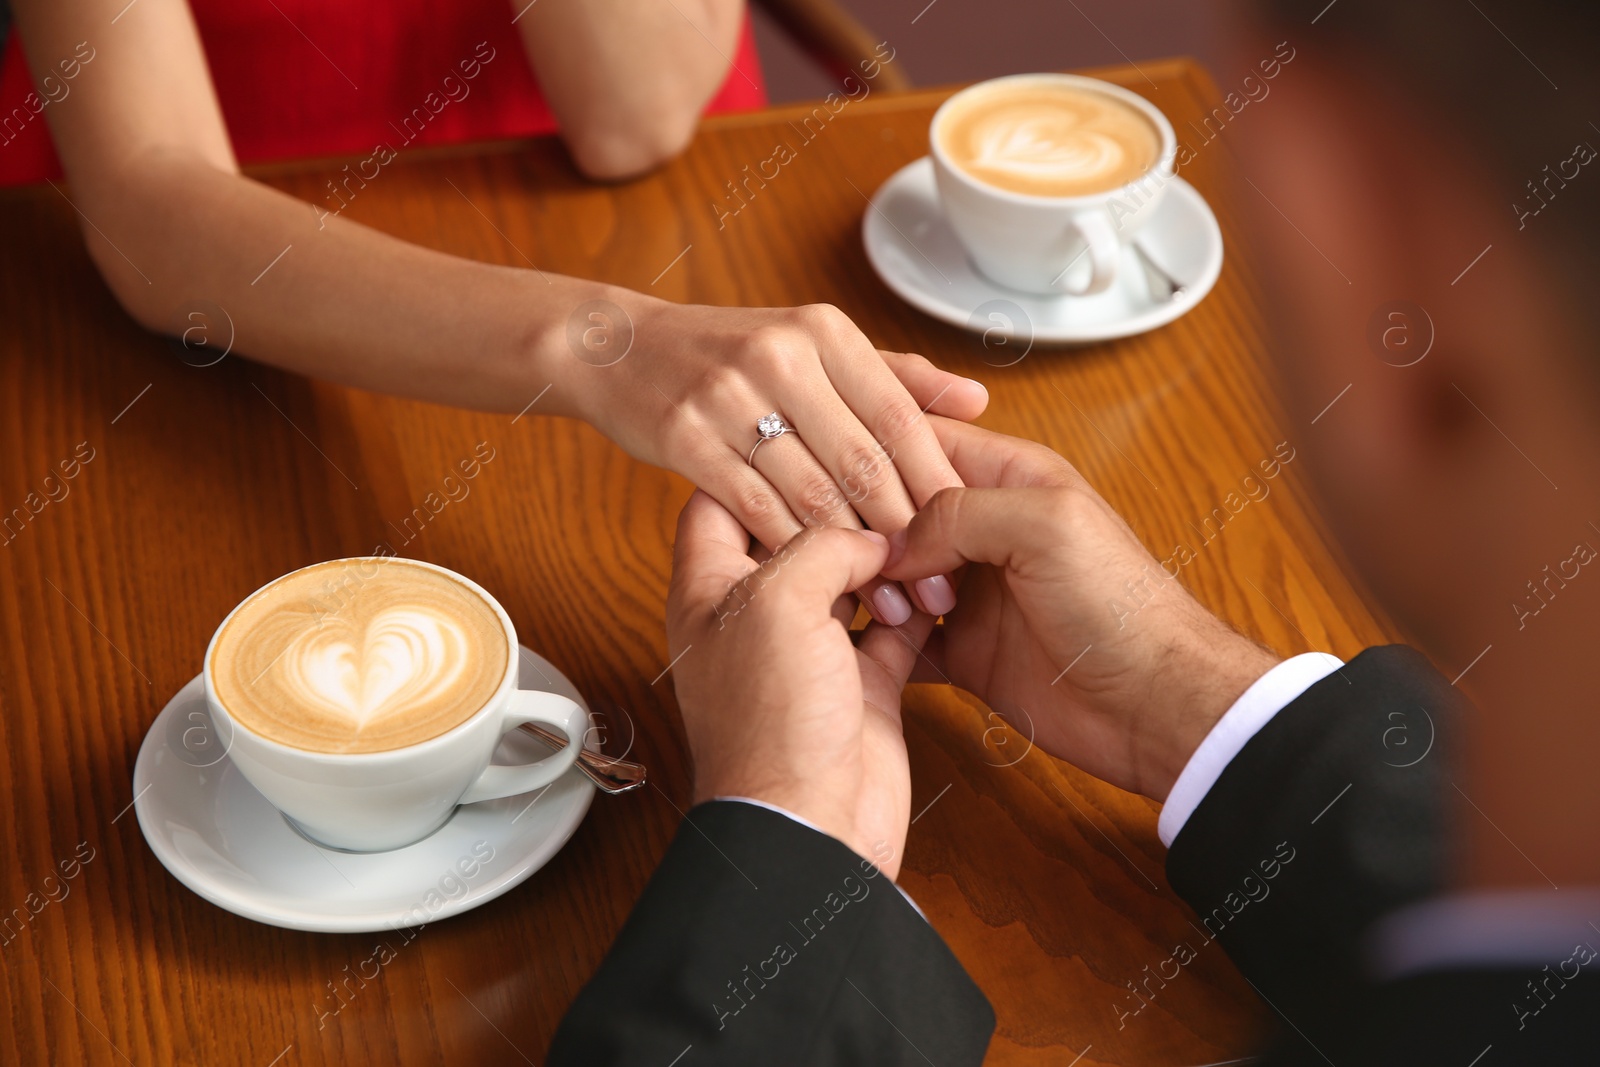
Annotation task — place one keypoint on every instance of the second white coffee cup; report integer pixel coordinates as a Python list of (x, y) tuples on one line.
[(1050, 244), (376, 801)]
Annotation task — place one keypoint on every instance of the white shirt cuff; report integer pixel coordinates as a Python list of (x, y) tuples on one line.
[(808, 824), (1256, 706)]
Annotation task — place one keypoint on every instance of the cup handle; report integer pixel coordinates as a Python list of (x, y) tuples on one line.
[(549, 709), (1101, 245)]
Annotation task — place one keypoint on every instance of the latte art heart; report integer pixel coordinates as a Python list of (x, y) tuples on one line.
[(360, 655), (1045, 148), (1046, 138), (406, 657)]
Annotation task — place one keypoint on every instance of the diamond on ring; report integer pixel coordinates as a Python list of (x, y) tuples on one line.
[(767, 427)]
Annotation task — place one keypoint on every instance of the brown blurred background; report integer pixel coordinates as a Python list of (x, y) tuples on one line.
[(964, 40)]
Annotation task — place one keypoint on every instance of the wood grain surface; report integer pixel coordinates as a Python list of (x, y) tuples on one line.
[(206, 482)]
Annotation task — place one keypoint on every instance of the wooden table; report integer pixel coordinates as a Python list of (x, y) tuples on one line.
[(206, 482)]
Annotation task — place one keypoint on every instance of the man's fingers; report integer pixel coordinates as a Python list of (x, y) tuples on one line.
[(711, 554), (956, 527), (936, 391), (986, 459), (897, 650), (979, 526), (808, 574), (930, 669)]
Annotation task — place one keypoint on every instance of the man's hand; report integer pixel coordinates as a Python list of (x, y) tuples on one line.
[(777, 702), (1069, 623)]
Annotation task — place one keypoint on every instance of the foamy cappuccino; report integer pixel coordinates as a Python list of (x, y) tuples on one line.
[(1045, 179), (1044, 138), (359, 655)]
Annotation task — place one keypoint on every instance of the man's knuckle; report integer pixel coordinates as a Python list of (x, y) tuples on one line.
[(944, 504), (1067, 507)]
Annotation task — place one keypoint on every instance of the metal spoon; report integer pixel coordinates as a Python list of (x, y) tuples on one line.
[(612, 775), (1162, 286)]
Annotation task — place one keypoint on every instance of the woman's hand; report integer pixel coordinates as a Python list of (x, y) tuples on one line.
[(695, 380), (176, 224)]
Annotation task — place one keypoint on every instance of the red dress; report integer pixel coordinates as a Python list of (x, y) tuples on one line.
[(315, 77)]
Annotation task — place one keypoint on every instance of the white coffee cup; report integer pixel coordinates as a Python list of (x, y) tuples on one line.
[(376, 801), (1051, 244)]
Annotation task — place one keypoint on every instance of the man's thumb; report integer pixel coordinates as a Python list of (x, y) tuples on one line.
[(974, 526), (821, 565)]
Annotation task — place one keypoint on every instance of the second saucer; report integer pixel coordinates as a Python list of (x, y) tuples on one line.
[(917, 255)]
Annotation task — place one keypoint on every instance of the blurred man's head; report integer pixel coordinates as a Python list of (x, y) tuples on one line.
[(1425, 184)]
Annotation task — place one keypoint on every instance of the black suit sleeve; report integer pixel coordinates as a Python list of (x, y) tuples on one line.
[(759, 940), (1331, 816)]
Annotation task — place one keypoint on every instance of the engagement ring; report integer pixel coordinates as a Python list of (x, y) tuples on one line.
[(767, 427)]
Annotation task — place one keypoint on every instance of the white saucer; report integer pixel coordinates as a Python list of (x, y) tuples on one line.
[(917, 255), (221, 838)]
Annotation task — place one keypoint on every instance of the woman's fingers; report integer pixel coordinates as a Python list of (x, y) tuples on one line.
[(892, 419), (864, 454), (751, 498), (937, 391), (852, 475), (816, 500), (791, 463), (861, 474), (891, 416)]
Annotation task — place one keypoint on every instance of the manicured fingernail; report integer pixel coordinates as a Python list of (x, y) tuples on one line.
[(980, 385), (897, 546), (936, 593), (893, 607), (874, 536)]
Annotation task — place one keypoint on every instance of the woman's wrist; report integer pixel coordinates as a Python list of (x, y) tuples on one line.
[(576, 342)]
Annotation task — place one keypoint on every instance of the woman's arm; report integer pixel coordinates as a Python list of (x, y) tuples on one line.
[(170, 221), (628, 79)]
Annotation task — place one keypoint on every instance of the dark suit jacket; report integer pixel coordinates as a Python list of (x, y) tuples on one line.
[(1356, 779), (761, 941)]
